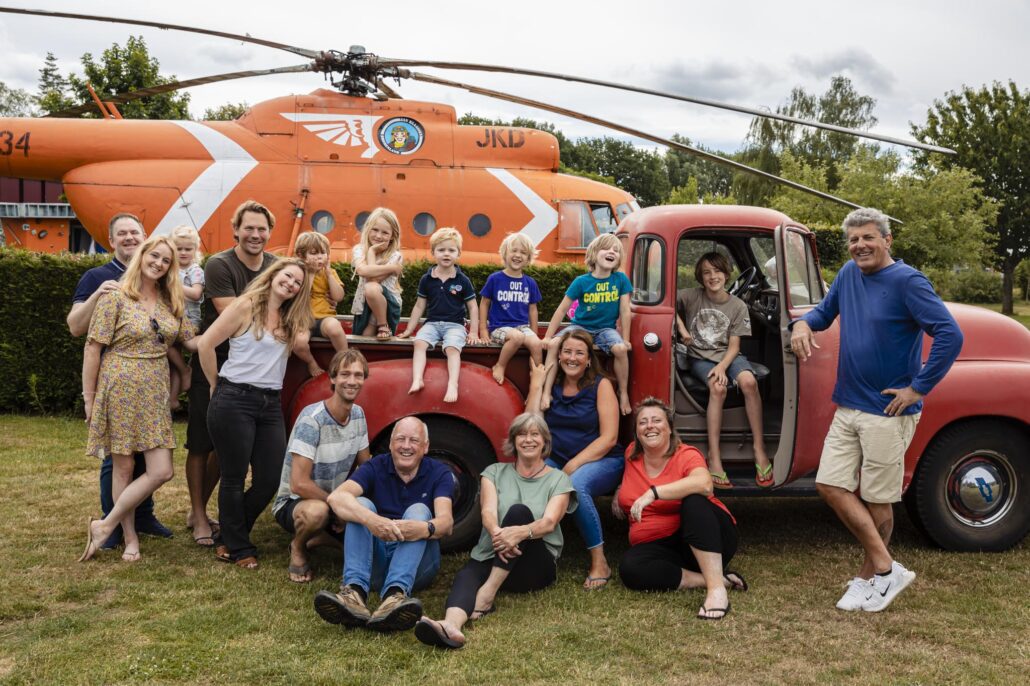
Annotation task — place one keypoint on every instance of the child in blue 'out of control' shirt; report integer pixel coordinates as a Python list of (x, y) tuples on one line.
[(603, 297), (445, 294), (508, 306)]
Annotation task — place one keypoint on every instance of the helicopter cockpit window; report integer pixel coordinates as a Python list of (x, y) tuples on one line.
[(603, 217), (479, 225), (576, 225), (323, 221), (360, 219), (424, 223)]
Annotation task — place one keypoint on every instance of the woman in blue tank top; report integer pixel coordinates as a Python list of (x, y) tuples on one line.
[(584, 423)]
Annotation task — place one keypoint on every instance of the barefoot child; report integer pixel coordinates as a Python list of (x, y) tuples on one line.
[(445, 294), (326, 291), (711, 321), (603, 297), (508, 311), (187, 254), (378, 265)]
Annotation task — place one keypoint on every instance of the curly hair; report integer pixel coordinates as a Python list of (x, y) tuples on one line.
[(635, 448)]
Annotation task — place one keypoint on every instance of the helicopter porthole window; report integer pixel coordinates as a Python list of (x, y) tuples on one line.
[(424, 223), (359, 221), (479, 225), (323, 221)]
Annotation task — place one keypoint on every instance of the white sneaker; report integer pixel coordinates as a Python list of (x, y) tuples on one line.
[(887, 586), (859, 590)]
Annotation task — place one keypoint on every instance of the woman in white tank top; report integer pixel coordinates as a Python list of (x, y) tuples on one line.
[(245, 417)]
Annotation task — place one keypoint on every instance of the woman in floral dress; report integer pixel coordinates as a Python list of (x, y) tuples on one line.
[(125, 384)]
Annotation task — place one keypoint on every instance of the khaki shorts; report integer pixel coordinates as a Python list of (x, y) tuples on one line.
[(867, 450)]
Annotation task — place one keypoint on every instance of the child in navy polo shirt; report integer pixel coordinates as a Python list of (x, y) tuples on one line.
[(445, 294), (508, 312)]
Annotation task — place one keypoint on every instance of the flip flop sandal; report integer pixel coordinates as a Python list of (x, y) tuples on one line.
[(479, 614), (720, 480), (222, 554), (764, 477), (596, 587), (738, 584), (204, 541), (435, 635), (249, 562), (303, 570), (724, 610)]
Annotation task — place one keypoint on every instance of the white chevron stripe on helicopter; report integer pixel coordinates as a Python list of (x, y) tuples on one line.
[(352, 130), (209, 190), (545, 217)]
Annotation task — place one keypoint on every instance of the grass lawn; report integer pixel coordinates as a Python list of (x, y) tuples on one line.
[(1020, 307), (179, 616)]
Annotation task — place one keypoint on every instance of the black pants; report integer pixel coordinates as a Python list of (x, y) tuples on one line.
[(658, 565), (533, 570), (246, 426)]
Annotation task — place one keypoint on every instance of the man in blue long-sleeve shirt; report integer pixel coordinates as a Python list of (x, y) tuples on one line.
[(885, 306)]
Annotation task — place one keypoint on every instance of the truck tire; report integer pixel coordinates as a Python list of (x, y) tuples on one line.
[(465, 450), (971, 489)]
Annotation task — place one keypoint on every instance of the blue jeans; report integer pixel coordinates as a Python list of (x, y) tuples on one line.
[(594, 478), (374, 564), (700, 369)]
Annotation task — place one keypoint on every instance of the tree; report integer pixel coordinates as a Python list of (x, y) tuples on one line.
[(989, 129), (226, 112), (120, 70), (712, 179), (686, 194), (15, 102), (53, 88)]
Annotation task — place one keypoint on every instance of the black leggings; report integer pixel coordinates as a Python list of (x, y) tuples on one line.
[(658, 565), (533, 570)]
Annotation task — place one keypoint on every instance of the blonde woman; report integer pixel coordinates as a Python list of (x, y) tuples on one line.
[(245, 416), (125, 389), (378, 265)]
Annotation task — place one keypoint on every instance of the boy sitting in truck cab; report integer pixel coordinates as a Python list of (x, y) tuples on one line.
[(508, 310), (711, 321), (444, 294)]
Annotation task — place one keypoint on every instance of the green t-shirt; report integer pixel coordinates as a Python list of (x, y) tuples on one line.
[(513, 489)]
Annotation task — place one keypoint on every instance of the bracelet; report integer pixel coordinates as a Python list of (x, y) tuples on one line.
[(654, 490), (530, 527)]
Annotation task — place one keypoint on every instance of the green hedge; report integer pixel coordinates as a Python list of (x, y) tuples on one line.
[(833, 251), (41, 364), (966, 286)]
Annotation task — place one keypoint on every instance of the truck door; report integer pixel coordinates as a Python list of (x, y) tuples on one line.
[(808, 385)]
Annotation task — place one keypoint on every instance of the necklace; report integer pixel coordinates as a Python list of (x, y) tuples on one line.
[(534, 474)]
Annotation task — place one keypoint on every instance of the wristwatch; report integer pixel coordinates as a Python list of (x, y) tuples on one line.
[(432, 529)]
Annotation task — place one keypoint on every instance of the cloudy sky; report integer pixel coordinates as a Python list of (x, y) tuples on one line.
[(749, 52)]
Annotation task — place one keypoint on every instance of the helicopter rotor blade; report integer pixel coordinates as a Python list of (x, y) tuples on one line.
[(122, 98), (390, 92), (662, 94), (311, 54), (711, 157)]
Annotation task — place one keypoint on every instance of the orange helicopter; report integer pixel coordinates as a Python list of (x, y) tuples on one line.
[(327, 158)]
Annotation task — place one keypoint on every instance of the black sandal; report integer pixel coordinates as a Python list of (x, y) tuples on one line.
[(724, 610), (435, 634), (734, 585)]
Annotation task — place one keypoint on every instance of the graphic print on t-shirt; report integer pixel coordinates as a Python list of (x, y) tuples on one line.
[(709, 328)]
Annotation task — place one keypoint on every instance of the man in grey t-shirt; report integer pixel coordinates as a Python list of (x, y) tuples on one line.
[(328, 441)]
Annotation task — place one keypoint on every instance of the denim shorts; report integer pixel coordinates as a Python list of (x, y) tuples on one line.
[(501, 333), (453, 335), (700, 368), (603, 338)]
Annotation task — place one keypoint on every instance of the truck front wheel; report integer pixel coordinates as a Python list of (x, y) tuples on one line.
[(971, 489)]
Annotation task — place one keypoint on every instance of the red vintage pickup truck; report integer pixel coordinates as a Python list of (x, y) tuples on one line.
[(967, 472)]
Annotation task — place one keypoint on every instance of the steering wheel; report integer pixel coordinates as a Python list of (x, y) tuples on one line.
[(744, 282)]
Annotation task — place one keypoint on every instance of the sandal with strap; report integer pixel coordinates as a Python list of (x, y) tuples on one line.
[(721, 480), (383, 333), (764, 476)]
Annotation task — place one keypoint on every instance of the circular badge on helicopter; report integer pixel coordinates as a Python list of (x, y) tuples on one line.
[(401, 135)]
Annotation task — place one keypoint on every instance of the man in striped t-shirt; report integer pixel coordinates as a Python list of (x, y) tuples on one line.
[(329, 439)]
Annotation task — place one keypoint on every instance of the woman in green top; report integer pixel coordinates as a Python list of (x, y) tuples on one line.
[(522, 504)]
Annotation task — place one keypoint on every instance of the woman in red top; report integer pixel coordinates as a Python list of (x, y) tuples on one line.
[(681, 536)]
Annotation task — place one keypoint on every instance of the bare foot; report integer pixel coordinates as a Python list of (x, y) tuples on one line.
[(299, 561), (131, 556), (715, 604), (95, 537), (625, 407), (498, 373), (452, 394), (416, 386), (449, 630), (597, 577), (314, 369)]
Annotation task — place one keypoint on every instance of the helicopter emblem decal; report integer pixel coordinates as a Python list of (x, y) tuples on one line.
[(401, 135), (348, 130)]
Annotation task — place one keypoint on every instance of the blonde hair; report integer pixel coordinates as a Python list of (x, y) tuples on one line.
[(294, 314), (606, 241), (394, 245), (445, 234), (169, 286), (311, 242), (188, 233), (520, 241)]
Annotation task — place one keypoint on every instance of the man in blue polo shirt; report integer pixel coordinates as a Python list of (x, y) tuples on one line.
[(397, 506), (125, 233)]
